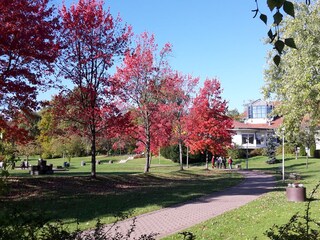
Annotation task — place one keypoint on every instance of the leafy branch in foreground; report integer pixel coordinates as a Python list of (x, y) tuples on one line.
[(278, 8), (25, 225)]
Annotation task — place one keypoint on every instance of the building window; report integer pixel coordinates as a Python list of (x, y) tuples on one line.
[(259, 139), (260, 111), (249, 137)]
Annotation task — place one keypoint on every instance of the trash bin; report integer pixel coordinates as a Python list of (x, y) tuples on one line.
[(296, 194)]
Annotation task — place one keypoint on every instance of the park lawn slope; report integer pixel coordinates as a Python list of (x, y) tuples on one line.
[(73, 198)]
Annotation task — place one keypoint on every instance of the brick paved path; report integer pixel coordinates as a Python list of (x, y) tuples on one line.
[(179, 217)]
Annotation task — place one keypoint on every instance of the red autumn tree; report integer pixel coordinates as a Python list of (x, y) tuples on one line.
[(28, 49), (143, 76), (207, 123), (92, 39), (179, 102)]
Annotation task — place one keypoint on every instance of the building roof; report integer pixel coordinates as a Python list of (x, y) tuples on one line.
[(272, 125)]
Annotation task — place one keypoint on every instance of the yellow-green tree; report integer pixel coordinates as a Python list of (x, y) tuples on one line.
[(296, 81)]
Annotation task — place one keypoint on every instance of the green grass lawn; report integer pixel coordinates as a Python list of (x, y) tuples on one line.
[(73, 196), (130, 167), (252, 220)]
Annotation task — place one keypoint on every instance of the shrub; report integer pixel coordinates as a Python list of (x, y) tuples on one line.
[(236, 152), (256, 152), (302, 151), (24, 225), (4, 187), (46, 155), (288, 149), (170, 152), (313, 150)]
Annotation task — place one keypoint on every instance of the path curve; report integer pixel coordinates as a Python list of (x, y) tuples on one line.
[(176, 218)]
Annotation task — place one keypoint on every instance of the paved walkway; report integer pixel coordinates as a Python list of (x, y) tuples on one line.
[(179, 217)]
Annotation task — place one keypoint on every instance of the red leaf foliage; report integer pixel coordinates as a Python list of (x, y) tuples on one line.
[(91, 40), (144, 80), (28, 49), (207, 124)]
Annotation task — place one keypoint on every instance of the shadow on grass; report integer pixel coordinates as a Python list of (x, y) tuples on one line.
[(86, 174), (71, 197)]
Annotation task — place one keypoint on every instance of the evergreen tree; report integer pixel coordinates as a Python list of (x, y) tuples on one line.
[(271, 148)]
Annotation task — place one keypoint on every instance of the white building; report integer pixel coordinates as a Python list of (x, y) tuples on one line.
[(252, 133)]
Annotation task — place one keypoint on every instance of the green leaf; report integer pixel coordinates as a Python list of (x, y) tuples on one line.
[(290, 43), (271, 4), (277, 17), (279, 3), (279, 45), (288, 8), (276, 60), (264, 18), (271, 35), (275, 3)]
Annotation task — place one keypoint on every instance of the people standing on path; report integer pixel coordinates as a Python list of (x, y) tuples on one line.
[(219, 162), (213, 161), (224, 162), (230, 162)]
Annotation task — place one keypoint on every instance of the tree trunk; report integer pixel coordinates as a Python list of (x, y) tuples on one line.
[(187, 157), (180, 154), (147, 166), (150, 159), (148, 143), (93, 154), (207, 159)]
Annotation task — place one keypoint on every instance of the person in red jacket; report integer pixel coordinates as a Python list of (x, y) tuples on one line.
[(230, 162)]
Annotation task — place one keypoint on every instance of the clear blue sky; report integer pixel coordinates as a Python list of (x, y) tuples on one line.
[(210, 38)]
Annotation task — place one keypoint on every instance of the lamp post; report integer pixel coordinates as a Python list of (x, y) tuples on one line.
[(247, 152), (282, 130)]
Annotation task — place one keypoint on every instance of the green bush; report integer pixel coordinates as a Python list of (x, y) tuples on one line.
[(4, 188), (172, 152), (26, 225), (302, 151), (236, 152), (257, 152), (313, 150), (288, 149), (46, 155)]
